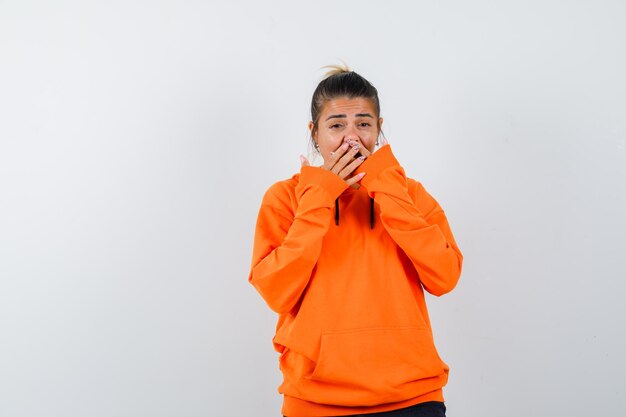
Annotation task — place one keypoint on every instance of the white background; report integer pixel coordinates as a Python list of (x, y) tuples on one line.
[(137, 139)]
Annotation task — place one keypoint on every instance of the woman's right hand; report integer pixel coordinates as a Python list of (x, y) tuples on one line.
[(342, 163)]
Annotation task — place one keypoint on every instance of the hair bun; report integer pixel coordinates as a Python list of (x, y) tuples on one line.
[(336, 69)]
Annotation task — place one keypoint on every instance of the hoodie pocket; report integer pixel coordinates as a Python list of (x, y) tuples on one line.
[(378, 361)]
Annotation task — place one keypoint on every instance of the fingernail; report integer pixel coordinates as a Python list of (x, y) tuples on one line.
[(362, 157), (345, 146)]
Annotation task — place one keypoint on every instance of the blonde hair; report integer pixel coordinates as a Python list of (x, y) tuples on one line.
[(336, 69)]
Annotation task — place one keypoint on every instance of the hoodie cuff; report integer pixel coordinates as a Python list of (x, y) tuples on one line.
[(376, 163), (312, 175)]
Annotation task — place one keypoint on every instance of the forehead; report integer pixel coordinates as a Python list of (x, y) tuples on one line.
[(348, 106)]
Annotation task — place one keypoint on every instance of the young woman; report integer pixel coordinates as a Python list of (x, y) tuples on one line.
[(343, 253)]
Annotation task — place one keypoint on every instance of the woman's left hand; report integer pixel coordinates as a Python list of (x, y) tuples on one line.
[(364, 151)]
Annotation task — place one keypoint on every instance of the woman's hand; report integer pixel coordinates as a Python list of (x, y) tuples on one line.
[(342, 162), (367, 153)]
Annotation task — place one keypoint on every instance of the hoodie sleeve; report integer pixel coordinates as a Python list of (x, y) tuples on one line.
[(288, 241), (426, 238)]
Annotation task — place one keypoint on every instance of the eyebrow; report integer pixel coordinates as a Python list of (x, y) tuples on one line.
[(339, 116)]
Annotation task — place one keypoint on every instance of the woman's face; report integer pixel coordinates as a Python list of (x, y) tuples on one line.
[(345, 119)]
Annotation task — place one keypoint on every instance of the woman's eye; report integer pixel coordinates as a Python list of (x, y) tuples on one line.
[(335, 126), (364, 124)]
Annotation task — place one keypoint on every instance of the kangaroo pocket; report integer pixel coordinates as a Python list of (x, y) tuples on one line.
[(377, 363)]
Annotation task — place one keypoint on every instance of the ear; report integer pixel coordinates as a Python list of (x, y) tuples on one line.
[(311, 126), (380, 123)]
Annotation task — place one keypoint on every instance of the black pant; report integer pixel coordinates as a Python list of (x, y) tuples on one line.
[(427, 409)]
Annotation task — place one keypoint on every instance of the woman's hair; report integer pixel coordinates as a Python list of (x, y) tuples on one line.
[(341, 81)]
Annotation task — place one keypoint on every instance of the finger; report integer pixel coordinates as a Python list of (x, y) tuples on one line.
[(345, 159), (304, 162), (355, 179), (351, 166), (364, 151), (336, 155), (385, 142), (340, 158)]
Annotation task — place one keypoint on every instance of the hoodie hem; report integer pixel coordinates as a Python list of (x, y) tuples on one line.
[(296, 407)]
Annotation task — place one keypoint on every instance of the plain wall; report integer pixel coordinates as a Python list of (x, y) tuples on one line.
[(137, 139)]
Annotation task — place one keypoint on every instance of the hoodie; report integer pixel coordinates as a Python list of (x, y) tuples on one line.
[(353, 330)]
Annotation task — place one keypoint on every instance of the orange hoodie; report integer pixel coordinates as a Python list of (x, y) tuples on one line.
[(353, 330)]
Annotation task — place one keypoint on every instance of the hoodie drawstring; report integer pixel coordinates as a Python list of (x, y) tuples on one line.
[(371, 212)]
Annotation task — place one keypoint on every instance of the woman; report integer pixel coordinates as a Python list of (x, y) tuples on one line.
[(343, 253)]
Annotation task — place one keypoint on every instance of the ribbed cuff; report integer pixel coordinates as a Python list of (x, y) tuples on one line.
[(376, 163), (312, 175)]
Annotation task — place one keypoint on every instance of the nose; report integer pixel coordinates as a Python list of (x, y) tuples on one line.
[(351, 135)]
